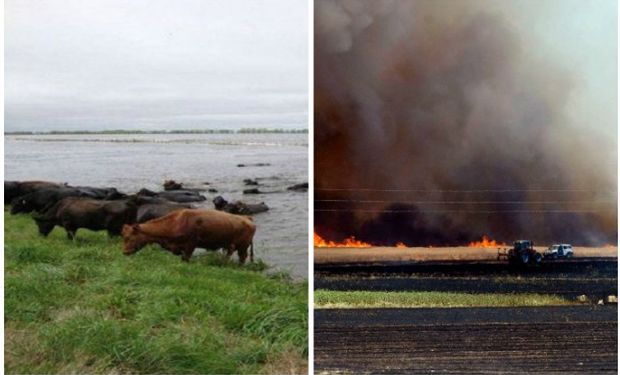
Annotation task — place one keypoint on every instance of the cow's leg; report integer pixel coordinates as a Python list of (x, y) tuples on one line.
[(71, 233), (230, 251), (114, 234), (243, 254), (186, 254)]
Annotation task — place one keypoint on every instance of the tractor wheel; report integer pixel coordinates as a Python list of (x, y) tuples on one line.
[(536, 258), (525, 258), (569, 255)]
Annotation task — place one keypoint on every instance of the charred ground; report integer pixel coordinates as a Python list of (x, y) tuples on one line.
[(582, 337), (471, 340)]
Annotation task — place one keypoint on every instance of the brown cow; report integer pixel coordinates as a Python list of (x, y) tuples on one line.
[(182, 231)]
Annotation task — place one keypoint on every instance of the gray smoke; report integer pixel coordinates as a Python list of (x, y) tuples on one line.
[(448, 98)]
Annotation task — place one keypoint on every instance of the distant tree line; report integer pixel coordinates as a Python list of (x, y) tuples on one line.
[(189, 131)]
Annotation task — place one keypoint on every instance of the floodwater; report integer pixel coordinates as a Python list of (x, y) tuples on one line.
[(130, 162)]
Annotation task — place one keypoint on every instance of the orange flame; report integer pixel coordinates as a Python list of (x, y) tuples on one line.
[(486, 242), (400, 244), (348, 242)]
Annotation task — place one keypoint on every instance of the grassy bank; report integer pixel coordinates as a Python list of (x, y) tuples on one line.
[(84, 307), (367, 299)]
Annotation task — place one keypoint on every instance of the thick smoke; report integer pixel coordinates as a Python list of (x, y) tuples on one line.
[(446, 99)]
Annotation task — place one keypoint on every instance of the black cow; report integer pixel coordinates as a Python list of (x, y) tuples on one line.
[(238, 207), (40, 199), (179, 196), (299, 187), (152, 211), (14, 189), (108, 193), (73, 213)]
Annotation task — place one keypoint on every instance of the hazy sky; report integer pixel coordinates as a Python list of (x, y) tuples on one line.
[(157, 64), (582, 37)]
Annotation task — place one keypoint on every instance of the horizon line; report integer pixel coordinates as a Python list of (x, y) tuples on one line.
[(160, 131)]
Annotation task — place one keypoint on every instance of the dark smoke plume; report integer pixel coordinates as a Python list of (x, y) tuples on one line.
[(445, 98)]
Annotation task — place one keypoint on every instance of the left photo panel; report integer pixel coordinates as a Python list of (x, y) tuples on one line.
[(156, 187)]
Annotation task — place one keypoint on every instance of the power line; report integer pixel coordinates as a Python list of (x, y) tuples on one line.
[(466, 190), (461, 211), (458, 202)]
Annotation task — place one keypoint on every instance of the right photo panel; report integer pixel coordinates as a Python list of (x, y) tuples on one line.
[(465, 186)]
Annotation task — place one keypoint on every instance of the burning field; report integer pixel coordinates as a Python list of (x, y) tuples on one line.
[(445, 131), (351, 250), (439, 122)]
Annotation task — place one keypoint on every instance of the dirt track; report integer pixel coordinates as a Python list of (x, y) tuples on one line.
[(548, 339)]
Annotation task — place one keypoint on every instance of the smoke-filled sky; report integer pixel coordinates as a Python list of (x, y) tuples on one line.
[(156, 64), (454, 119)]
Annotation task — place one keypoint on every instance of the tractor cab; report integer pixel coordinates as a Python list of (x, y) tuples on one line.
[(523, 245), (523, 253)]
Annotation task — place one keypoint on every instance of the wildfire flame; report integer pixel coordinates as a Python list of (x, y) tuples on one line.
[(486, 242), (348, 242), (400, 244)]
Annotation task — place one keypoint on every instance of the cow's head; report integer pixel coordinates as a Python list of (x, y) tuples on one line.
[(45, 226), (20, 204), (219, 202), (133, 239), (115, 194)]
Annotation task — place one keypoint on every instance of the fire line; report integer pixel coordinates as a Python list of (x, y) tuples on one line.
[(486, 242)]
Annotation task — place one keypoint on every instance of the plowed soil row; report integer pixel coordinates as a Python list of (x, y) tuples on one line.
[(473, 340)]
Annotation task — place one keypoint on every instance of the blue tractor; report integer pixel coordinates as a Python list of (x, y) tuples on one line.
[(523, 253)]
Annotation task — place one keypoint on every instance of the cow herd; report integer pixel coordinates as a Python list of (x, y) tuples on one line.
[(166, 218)]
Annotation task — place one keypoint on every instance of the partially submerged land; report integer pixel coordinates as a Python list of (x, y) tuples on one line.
[(84, 307)]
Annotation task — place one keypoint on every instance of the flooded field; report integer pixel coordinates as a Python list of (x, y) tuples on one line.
[(130, 162)]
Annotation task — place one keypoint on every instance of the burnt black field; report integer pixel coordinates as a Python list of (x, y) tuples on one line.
[(467, 340), (593, 277), (581, 338)]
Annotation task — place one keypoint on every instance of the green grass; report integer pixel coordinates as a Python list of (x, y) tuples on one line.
[(327, 299), (84, 307)]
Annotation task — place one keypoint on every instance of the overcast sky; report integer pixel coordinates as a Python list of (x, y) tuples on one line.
[(156, 64)]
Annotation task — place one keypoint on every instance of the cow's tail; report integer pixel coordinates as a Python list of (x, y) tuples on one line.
[(252, 252)]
